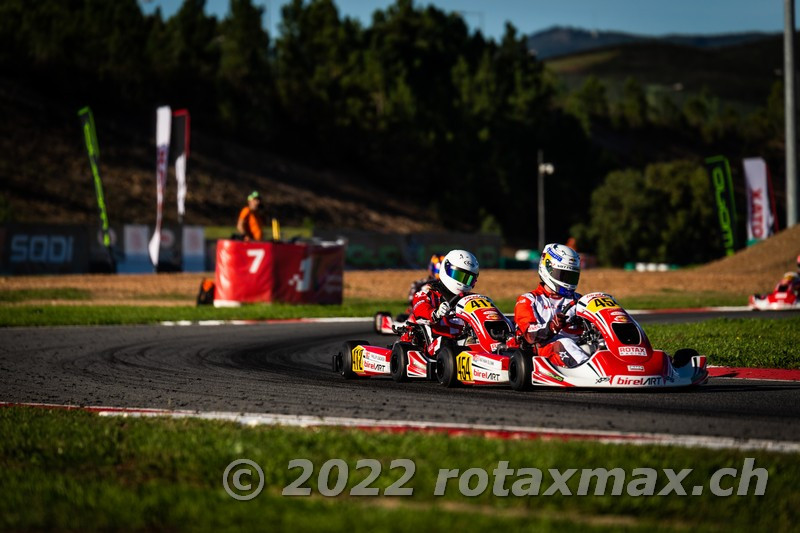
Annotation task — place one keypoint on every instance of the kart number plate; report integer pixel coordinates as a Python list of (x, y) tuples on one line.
[(602, 303), (358, 359), (477, 303), (464, 366)]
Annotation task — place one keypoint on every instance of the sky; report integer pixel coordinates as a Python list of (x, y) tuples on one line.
[(647, 17)]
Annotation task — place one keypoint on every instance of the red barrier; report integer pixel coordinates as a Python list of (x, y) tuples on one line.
[(278, 272)]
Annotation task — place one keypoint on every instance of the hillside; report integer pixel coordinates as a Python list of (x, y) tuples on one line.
[(742, 72), (46, 175), (560, 40)]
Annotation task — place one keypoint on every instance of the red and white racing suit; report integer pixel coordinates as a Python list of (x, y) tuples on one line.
[(426, 300), (534, 312)]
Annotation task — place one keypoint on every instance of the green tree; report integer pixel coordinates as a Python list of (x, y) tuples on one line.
[(245, 73), (634, 103), (588, 103), (664, 214)]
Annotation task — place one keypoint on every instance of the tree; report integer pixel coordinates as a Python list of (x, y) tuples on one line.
[(245, 74), (665, 214), (634, 103)]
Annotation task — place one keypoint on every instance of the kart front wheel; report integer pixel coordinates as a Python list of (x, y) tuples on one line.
[(346, 355), (520, 367), (683, 357), (446, 373), (398, 364)]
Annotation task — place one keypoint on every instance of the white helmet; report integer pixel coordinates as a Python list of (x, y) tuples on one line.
[(459, 271), (560, 269)]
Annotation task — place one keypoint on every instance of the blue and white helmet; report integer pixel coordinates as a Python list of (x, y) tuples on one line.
[(560, 269), (459, 271)]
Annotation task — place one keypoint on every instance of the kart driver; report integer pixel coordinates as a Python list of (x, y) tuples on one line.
[(434, 266), (457, 276), (541, 314)]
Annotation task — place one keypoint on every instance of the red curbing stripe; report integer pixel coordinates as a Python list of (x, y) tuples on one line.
[(504, 434), (772, 374)]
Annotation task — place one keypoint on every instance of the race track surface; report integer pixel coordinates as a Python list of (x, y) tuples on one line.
[(284, 368)]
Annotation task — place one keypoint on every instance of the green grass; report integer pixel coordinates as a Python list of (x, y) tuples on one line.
[(59, 315), (58, 293), (747, 342), (72, 470)]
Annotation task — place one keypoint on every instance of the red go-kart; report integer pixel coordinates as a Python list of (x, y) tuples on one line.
[(463, 347)]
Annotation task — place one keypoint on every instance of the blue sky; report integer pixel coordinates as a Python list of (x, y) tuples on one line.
[(650, 17)]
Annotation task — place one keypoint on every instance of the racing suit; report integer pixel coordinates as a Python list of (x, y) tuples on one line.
[(427, 300), (416, 286), (535, 315)]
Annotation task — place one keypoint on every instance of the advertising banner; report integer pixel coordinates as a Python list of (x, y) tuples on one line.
[(760, 200), (279, 272), (180, 143), (163, 119), (367, 250), (45, 249), (722, 187), (194, 249), (93, 149)]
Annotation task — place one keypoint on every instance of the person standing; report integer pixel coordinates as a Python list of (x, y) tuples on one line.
[(250, 224)]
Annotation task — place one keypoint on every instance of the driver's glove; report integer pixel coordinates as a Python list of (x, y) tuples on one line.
[(557, 323), (444, 307)]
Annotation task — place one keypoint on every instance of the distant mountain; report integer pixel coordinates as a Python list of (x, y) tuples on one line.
[(559, 40)]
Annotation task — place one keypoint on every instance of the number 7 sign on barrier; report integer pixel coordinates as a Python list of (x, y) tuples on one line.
[(277, 271)]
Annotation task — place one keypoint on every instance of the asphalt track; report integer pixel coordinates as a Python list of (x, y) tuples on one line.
[(284, 368)]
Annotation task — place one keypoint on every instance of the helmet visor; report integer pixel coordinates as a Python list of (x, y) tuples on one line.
[(462, 276), (568, 277)]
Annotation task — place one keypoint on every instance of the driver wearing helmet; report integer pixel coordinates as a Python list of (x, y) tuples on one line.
[(434, 266), (457, 276), (541, 314)]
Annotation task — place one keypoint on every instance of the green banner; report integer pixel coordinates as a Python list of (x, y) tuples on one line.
[(93, 148), (723, 193)]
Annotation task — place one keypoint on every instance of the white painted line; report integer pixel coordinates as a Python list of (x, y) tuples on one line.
[(489, 431)]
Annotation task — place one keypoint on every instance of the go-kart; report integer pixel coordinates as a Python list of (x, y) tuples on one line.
[(460, 348), (621, 355), (783, 297), (385, 324)]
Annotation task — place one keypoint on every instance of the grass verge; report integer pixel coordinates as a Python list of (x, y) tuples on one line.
[(64, 315), (73, 470), (62, 293), (746, 342)]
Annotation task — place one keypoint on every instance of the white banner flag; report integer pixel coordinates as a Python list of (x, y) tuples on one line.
[(759, 212), (180, 145), (163, 128)]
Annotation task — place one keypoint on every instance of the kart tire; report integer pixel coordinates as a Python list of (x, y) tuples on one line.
[(446, 371), (398, 364), (378, 318), (683, 357), (347, 358), (520, 366)]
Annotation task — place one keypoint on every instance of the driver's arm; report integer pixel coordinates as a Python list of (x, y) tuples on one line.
[(422, 306)]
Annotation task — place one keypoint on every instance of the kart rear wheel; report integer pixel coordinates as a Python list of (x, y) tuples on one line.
[(379, 318), (683, 357), (398, 364), (520, 367), (347, 358), (446, 367)]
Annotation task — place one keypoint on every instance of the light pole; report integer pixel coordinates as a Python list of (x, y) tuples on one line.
[(544, 168), (790, 114)]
